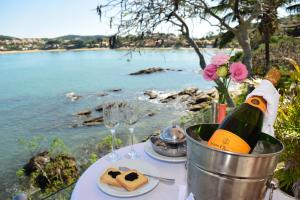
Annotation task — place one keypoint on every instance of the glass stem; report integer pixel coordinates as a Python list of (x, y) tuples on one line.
[(131, 129), (113, 133)]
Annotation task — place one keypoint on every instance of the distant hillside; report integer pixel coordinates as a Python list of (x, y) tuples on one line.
[(4, 37), (79, 37)]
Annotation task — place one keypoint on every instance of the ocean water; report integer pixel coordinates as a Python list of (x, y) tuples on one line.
[(33, 88)]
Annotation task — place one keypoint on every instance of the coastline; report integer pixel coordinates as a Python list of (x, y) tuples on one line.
[(51, 50), (81, 49), (99, 49)]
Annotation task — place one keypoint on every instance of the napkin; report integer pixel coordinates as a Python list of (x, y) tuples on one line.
[(190, 197), (182, 193), (267, 90)]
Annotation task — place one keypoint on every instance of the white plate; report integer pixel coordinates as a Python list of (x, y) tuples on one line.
[(149, 150), (139, 165)]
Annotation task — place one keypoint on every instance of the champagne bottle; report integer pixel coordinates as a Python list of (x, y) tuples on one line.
[(240, 130)]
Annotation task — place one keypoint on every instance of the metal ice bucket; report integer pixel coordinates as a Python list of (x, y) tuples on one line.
[(222, 175)]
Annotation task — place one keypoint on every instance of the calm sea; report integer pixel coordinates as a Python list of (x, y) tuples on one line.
[(33, 88)]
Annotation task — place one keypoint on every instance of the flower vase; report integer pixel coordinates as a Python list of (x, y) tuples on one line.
[(221, 112)]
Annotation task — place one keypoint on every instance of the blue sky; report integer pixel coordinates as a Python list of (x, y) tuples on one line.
[(42, 18), (52, 18)]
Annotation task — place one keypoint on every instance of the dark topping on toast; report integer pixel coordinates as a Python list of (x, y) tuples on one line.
[(114, 174), (131, 176)]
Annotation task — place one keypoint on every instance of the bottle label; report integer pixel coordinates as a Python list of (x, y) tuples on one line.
[(257, 102), (227, 141)]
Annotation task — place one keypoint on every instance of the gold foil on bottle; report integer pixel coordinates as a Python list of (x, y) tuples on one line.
[(273, 76)]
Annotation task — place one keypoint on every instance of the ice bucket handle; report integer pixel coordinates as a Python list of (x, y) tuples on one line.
[(272, 184)]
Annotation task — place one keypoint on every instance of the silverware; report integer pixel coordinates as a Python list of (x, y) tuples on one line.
[(157, 177)]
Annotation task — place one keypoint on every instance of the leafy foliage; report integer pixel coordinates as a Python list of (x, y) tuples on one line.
[(32, 145), (225, 38), (58, 173), (106, 143), (288, 131), (48, 171), (58, 147), (93, 158), (280, 46), (240, 98), (20, 173), (202, 116), (238, 56)]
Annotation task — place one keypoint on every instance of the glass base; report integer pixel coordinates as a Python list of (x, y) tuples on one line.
[(132, 154), (113, 157)]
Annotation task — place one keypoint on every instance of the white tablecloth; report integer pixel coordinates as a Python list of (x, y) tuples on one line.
[(86, 188)]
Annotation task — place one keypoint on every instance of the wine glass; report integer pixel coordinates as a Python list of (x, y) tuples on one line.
[(111, 121), (178, 108), (130, 114)]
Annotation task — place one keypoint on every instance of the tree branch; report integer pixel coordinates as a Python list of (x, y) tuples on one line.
[(201, 57), (191, 41), (255, 12), (208, 10)]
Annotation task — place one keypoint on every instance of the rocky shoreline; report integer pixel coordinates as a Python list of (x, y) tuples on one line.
[(191, 99)]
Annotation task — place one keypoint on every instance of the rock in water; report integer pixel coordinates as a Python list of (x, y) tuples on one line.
[(84, 112), (101, 94), (185, 98), (202, 98), (198, 107), (169, 98), (189, 91), (72, 96), (152, 94), (212, 92), (150, 114), (38, 161), (115, 90), (148, 71), (93, 121), (74, 125), (99, 108)]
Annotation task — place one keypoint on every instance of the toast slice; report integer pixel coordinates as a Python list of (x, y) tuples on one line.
[(132, 180), (110, 175)]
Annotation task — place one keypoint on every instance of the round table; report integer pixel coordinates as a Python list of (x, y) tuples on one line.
[(86, 187)]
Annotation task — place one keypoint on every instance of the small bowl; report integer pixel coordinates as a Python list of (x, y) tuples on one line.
[(167, 149), (173, 135)]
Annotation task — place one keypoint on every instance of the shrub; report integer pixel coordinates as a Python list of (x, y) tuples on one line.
[(50, 170), (288, 131)]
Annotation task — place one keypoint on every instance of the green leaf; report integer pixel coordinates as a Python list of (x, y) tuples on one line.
[(20, 173)]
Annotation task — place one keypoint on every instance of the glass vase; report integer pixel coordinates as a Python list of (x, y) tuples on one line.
[(221, 112)]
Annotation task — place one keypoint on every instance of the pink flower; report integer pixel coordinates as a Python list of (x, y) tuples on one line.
[(238, 71), (220, 59), (210, 72)]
